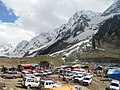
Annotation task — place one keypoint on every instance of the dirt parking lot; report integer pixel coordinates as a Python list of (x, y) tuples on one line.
[(97, 84)]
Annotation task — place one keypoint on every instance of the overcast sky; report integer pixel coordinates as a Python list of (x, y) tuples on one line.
[(36, 16)]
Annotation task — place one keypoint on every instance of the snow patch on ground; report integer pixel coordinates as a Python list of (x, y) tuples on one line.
[(68, 51)]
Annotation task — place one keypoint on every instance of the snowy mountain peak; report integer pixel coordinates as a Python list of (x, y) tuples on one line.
[(77, 24), (113, 9), (83, 14), (5, 49), (89, 13)]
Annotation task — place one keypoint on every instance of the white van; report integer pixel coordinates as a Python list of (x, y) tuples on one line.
[(48, 84), (87, 80), (115, 85), (29, 82)]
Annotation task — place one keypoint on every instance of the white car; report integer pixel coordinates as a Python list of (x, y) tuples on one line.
[(115, 85), (29, 82), (42, 73), (47, 84), (78, 79), (79, 73), (68, 77), (89, 74), (27, 74), (87, 80), (80, 70), (37, 73), (48, 72), (60, 76), (45, 73)]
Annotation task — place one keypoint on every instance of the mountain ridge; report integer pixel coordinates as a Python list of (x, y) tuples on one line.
[(74, 36)]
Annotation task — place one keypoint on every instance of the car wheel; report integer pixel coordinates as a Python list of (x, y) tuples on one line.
[(14, 77), (77, 81), (4, 77), (28, 87), (54, 86)]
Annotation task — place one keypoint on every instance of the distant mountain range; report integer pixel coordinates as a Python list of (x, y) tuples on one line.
[(82, 29)]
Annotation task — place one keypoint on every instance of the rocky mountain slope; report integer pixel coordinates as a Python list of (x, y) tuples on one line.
[(109, 31), (113, 9)]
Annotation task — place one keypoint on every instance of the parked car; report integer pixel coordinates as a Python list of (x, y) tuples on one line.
[(27, 74), (48, 72), (48, 84), (60, 76), (115, 85), (37, 72), (41, 73), (89, 74), (29, 82), (80, 70), (44, 73), (67, 77), (78, 79), (10, 74), (87, 80), (57, 70), (78, 74)]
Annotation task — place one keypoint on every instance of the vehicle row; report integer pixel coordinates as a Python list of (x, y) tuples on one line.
[(77, 77), (16, 74)]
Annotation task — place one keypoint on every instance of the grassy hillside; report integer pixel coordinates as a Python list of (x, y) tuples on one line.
[(17, 61), (110, 55)]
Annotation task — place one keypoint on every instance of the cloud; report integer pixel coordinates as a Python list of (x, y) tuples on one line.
[(38, 16), (10, 33)]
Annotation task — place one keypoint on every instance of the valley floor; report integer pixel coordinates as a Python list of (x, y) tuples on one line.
[(11, 84), (97, 84)]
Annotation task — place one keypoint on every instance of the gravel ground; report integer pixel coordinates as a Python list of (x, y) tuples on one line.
[(97, 84)]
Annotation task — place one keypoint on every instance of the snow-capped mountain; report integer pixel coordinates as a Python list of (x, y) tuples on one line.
[(80, 27), (77, 24), (26, 46), (73, 36), (39, 41), (5, 49), (19, 50), (113, 9)]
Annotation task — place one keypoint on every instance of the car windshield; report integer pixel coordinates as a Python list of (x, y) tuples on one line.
[(68, 75), (88, 74), (12, 72), (79, 73), (79, 76), (8, 72), (114, 84), (86, 78)]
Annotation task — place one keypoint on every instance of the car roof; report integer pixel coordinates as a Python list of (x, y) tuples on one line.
[(47, 80), (32, 78), (114, 81), (79, 75), (87, 76)]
